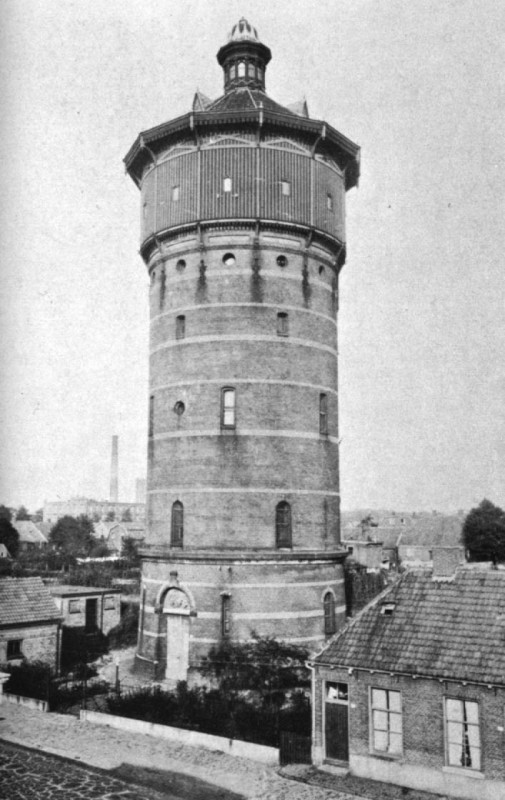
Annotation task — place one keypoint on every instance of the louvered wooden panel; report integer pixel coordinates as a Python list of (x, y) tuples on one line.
[(281, 165), (181, 171), (147, 205), (328, 182), (237, 163)]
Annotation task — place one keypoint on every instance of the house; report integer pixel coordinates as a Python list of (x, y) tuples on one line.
[(29, 622), (365, 552), (113, 534), (425, 533), (412, 690), (88, 607), (30, 537)]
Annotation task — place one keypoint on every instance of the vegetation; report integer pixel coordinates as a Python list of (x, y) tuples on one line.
[(79, 648), (73, 536), (127, 515), (36, 679), (125, 633), (8, 534), (483, 533), (361, 586), (129, 551), (22, 514)]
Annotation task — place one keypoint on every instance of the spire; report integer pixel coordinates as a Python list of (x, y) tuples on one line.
[(244, 58)]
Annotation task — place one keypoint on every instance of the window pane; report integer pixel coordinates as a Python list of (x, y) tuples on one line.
[(395, 743), (331, 692), (394, 701), (380, 741), (380, 720), (228, 416), (472, 712), (473, 736), (241, 69), (379, 698), (395, 723), (227, 184), (454, 709), (454, 732), (455, 755), (229, 399), (475, 758)]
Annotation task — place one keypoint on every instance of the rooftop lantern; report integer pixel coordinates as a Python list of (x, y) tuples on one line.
[(244, 58)]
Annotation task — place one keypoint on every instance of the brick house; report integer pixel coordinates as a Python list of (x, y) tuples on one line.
[(88, 607), (412, 690), (29, 622)]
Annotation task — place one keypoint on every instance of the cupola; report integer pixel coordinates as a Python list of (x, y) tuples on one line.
[(244, 58)]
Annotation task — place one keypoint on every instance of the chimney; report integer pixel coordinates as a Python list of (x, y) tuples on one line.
[(446, 560), (114, 471)]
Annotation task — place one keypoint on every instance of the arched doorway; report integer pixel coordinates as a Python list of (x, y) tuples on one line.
[(177, 610)]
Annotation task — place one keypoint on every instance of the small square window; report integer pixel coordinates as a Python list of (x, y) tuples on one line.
[(286, 188), (74, 606), (14, 648), (109, 603), (227, 185)]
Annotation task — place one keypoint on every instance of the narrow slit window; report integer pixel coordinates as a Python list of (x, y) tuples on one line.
[(225, 615), (283, 534), (175, 193), (330, 625), (180, 326), (177, 525), (227, 185), (329, 202), (282, 324), (323, 413), (286, 188), (228, 408), (233, 72), (151, 416)]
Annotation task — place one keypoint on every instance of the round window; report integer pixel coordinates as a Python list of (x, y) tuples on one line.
[(228, 259), (181, 264), (282, 261), (179, 408)]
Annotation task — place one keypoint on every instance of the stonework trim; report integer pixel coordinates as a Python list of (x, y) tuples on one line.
[(288, 639), (203, 585), (244, 381), (241, 490), (318, 612), (275, 434), (269, 273), (288, 341), (276, 306)]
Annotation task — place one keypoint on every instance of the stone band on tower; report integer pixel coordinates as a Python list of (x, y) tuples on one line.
[(243, 237)]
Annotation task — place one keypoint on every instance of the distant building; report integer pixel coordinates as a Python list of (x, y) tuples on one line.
[(53, 511), (29, 622), (30, 536), (412, 690), (369, 554), (140, 490), (88, 607), (113, 534)]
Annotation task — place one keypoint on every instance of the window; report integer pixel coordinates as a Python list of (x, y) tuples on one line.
[(386, 719), (175, 194), (329, 202), (462, 733), (14, 648), (286, 188), (226, 184), (180, 326), (241, 69), (177, 527), (323, 414), (233, 72), (282, 261), (282, 324), (181, 265), (74, 606), (250, 70), (225, 615), (228, 408), (179, 408), (229, 260), (330, 625), (151, 416), (283, 524), (109, 603)]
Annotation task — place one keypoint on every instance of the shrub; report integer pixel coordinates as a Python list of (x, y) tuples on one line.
[(125, 633), (79, 647)]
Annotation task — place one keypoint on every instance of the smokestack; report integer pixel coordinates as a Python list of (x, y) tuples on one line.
[(114, 471)]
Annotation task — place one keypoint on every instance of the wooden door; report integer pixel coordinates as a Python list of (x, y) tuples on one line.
[(336, 721), (91, 614), (177, 647)]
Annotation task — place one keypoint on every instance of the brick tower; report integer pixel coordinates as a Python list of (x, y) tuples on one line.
[(243, 238)]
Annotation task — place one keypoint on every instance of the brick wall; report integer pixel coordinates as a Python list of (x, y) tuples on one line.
[(38, 642)]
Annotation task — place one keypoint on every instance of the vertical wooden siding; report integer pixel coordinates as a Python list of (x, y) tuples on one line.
[(256, 189)]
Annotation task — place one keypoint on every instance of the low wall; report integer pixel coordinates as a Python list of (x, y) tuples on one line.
[(29, 702), (232, 747)]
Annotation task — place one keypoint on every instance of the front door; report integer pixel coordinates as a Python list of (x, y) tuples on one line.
[(91, 614), (177, 647), (336, 726)]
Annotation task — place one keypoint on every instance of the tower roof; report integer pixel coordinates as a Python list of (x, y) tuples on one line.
[(243, 30)]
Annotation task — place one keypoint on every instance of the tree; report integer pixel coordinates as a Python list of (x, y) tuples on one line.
[(111, 516), (129, 551), (5, 513), (22, 514), (127, 515), (483, 533), (8, 534), (73, 536)]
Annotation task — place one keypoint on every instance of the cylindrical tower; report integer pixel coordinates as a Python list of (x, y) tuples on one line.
[(243, 237)]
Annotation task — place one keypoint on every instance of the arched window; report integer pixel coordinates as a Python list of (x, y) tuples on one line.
[(323, 414), (226, 184), (250, 70), (228, 408), (177, 527), (283, 525), (180, 326), (241, 69), (330, 625)]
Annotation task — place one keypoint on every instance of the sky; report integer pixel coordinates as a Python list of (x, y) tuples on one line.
[(419, 86)]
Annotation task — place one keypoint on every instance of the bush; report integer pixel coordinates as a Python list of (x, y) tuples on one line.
[(125, 633), (79, 647), (29, 679)]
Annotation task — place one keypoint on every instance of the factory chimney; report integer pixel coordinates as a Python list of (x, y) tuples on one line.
[(114, 471)]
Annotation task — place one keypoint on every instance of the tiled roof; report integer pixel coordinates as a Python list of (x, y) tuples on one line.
[(244, 99), (28, 532), (25, 600), (444, 628)]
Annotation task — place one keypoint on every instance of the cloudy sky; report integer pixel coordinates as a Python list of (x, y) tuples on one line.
[(418, 85)]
